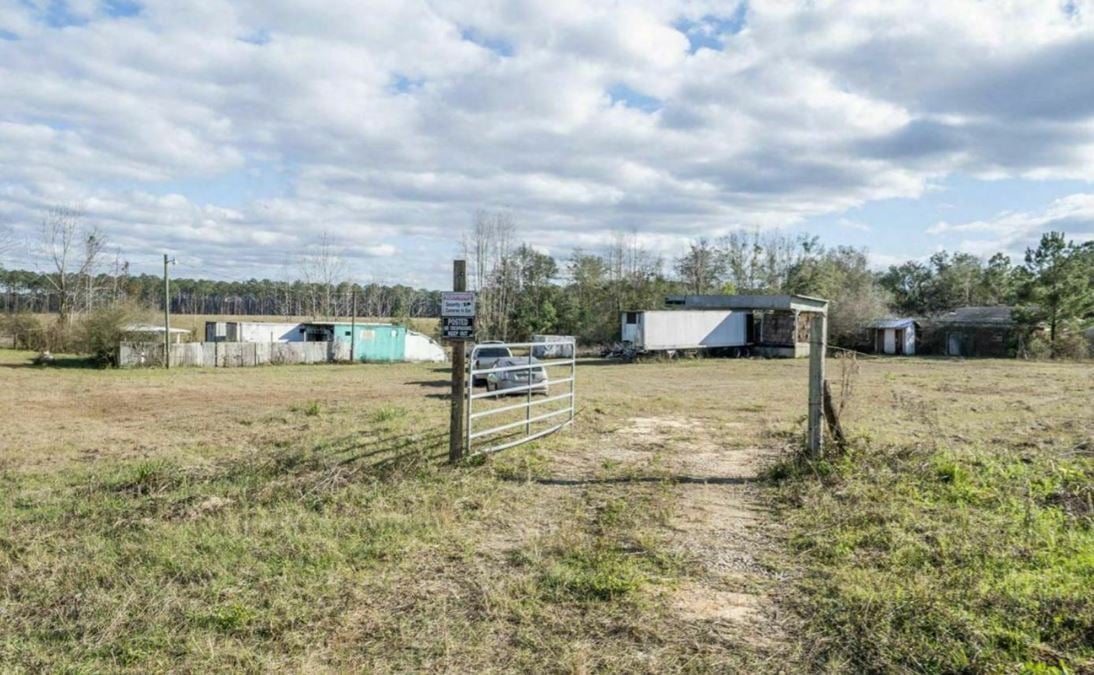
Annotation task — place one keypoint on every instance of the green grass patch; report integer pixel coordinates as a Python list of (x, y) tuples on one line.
[(387, 413), (939, 560)]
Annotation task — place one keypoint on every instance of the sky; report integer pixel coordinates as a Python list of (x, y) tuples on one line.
[(234, 135)]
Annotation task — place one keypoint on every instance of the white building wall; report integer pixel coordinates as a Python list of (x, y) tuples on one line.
[(909, 340), (260, 331), (421, 347), (692, 329), (890, 341)]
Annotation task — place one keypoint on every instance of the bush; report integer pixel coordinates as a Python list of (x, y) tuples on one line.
[(1071, 343), (26, 330), (100, 331)]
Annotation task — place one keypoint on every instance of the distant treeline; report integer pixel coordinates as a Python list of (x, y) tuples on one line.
[(25, 291)]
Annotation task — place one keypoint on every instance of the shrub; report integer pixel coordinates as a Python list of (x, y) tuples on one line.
[(1070, 343), (26, 331), (100, 331)]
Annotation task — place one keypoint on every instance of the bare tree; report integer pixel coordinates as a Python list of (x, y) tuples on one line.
[(70, 251), (323, 268), (94, 244), (702, 267), (488, 248)]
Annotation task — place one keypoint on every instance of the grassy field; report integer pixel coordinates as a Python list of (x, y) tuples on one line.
[(302, 518)]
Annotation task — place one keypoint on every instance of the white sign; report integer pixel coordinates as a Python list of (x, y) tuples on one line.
[(457, 303)]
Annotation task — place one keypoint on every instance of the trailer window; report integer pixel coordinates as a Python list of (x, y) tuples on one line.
[(632, 317)]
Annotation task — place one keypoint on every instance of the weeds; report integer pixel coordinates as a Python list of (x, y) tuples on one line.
[(387, 413), (940, 561)]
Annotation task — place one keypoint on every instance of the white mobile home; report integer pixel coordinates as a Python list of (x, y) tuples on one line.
[(254, 331), (668, 330)]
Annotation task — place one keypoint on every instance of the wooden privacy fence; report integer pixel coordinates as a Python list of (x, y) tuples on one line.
[(231, 354)]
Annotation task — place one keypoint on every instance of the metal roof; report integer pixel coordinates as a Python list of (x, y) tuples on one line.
[(801, 303), (150, 328), (892, 323), (995, 316), (345, 322)]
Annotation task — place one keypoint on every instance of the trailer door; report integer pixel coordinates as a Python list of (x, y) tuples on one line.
[(632, 330)]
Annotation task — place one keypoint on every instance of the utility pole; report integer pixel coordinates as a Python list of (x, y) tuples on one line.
[(353, 325), (459, 374), (166, 313)]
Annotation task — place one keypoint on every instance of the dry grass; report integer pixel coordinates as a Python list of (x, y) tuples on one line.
[(301, 517)]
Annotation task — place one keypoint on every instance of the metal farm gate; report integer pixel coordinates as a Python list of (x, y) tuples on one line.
[(495, 424)]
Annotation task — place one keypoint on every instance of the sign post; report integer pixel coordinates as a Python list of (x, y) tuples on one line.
[(457, 327)]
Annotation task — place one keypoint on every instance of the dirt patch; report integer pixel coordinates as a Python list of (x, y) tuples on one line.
[(718, 523), (698, 603)]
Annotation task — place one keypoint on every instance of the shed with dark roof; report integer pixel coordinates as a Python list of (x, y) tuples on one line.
[(972, 331)]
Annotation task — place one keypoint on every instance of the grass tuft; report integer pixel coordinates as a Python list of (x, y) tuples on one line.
[(387, 413)]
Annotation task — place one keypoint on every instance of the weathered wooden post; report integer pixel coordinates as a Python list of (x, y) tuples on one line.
[(353, 327), (459, 374), (818, 345), (166, 313)]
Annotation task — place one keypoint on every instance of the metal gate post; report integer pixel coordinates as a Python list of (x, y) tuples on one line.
[(528, 407)]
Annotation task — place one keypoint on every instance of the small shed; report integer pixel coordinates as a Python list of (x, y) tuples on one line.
[(894, 336)]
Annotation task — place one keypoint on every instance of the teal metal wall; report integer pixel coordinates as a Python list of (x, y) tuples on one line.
[(375, 341)]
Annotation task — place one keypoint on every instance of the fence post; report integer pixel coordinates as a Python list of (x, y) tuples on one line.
[(353, 328), (818, 345), (459, 375)]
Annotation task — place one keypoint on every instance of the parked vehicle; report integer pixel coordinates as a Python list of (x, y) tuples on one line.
[(487, 357), (536, 377), (553, 346)]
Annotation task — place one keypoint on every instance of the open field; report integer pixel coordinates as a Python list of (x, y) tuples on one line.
[(302, 518)]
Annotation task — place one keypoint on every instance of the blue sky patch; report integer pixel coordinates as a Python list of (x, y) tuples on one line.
[(709, 32), (401, 84), (621, 93), (233, 189), (121, 8), (897, 226), (496, 45)]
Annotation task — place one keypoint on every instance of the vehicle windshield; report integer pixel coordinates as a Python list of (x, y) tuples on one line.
[(493, 352)]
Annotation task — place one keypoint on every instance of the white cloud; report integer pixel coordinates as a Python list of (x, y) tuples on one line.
[(1012, 231), (394, 121)]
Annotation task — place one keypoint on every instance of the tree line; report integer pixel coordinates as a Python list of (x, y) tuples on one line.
[(524, 291), (28, 291)]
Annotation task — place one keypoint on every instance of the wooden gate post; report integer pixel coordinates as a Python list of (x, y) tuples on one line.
[(818, 345), (459, 374), (166, 316)]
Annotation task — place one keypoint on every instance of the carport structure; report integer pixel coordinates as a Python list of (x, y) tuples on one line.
[(784, 325)]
